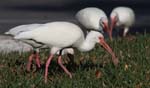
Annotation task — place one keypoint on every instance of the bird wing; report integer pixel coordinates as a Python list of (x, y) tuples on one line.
[(22, 28), (60, 34)]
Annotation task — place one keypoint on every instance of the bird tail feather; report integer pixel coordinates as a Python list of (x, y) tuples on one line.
[(24, 35), (6, 33)]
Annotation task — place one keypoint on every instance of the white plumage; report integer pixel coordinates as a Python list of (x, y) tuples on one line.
[(47, 35), (29, 27), (122, 17), (93, 18), (60, 35), (22, 28), (8, 45)]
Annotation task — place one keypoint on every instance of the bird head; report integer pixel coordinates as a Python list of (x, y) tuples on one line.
[(99, 38), (114, 18), (103, 22), (109, 50)]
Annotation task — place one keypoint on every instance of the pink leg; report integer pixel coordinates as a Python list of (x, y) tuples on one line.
[(37, 60), (46, 67), (30, 62), (63, 67)]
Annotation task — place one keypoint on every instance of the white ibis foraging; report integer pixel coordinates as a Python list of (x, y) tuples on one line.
[(121, 17), (60, 35), (93, 18), (36, 45)]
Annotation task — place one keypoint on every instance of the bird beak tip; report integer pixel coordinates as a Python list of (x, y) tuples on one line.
[(108, 49)]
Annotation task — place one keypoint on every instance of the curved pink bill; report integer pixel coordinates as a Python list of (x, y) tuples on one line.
[(109, 50), (113, 22), (106, 27)]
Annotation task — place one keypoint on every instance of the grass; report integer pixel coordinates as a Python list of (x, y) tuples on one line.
[(93, 69)]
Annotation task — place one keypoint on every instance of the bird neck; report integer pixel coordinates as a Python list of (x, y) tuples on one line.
[(88, 44)]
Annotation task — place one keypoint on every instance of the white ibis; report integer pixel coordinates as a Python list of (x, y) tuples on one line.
[(60, 35), (36, 45), (93, 18), (121, 17)]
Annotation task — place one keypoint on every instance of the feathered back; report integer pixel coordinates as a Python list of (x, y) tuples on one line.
[(64, 32), (90, 17), (22, 28)]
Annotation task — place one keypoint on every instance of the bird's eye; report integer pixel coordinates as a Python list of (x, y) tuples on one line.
[(116, 18), (100, 38), (100, 22), (103, 24)]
